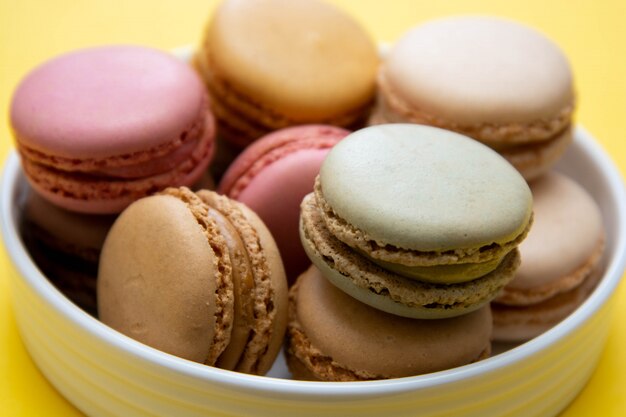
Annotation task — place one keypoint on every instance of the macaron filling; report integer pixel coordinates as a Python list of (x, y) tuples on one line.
[(243, 286), (322, 137), (474, 259), (224, 307), (393, 109), (442, 274), (518, 323), (386, 290), (262, 296), (243, 118), (114, 194), (142, 163)]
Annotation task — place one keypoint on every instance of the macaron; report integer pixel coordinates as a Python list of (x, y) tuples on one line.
[(101, 127), (333, 337), (273, 175), (196, 276), (489, 78), (270, 64), (66, 247), (416, 221), (561, 260)]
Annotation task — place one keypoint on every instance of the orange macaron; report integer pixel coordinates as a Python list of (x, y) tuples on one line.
[(270, 64)]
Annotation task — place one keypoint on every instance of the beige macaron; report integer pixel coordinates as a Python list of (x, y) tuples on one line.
[(333, 337), (270, 64), (561, 260), (197, 276), (489, 78)]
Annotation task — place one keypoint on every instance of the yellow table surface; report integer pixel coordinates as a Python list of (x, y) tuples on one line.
[(592, 34)]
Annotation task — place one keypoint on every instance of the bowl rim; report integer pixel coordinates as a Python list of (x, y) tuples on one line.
[(309, 390)]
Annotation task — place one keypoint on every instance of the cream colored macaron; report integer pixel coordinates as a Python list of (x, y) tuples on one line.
[(416, 220), (197, 276), (489, 78), (333, 337), (561, 259)]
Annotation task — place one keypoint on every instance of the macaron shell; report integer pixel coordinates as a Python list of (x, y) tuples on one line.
[(522, 323), (564, 244), (73, 233), (384, 290), (536, 159), (474, 70), (154, 244), (74, 276), (279, 302), (343, 329), (531, 159), (422, 188), (269, 297), (243, 287), (101, 195), (280, 205), (145, 97), (273, 147), (286, 68)]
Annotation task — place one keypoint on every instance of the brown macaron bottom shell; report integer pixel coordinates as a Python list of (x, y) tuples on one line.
[(260, 284), (333, 337), (515, 324)]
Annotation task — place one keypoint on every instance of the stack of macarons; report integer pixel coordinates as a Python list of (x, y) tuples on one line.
[(561, 260), (413, 221), (97, 129), (511, 88)]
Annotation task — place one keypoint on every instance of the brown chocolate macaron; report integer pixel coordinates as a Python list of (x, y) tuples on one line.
[(66, 247), (196, 276), (334, 337)]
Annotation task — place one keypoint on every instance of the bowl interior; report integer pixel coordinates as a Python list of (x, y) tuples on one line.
[(584, 161)]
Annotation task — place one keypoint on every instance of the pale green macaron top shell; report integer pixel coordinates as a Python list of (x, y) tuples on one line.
[(423, 188)]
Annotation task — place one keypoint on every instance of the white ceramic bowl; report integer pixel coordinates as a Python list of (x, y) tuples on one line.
[(107, 374)]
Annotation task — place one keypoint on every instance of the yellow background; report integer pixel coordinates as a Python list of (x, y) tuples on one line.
[(592, 34)]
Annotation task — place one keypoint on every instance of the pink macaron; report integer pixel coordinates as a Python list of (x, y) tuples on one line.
[(101, 127), (273, 175)]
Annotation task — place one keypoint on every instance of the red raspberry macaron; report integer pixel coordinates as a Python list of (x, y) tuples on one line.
[(101, 127)]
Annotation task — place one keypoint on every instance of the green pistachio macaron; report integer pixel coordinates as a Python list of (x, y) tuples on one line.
[(416, 220)]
